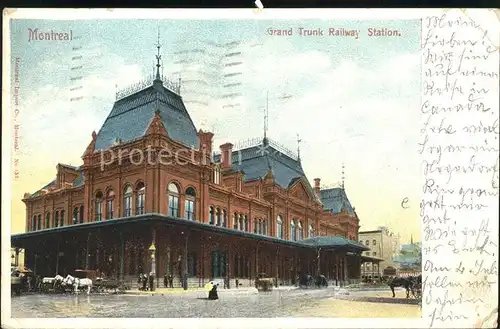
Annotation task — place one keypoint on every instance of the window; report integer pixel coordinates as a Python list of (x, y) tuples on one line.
[(259, 229), (219, 264), (217, 217), (224, 218), (211, 216), (39, 222), (127, 201), (98, 206), (247, 229), (61, 223), (189, 203), (109, 204), (293, 231), (81, 214), (56, 219), (235, 221), (241, 225), (374, 242), (33, 223), (217, 175), (255, 230), (173, 200), (47, 220), (374, 253), (264, 227), (301, 232), (75, 215), (367, 242), (139, 206), (311, 231), (279, 227)]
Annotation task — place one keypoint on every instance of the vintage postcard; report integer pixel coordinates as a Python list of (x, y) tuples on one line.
[(320, 168)]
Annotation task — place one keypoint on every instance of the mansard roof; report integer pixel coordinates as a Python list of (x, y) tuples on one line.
[(257, 161), (335, 199), (131, 116), (79, 180)]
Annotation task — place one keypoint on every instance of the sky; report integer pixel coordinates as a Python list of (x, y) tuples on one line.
[(353, 102)]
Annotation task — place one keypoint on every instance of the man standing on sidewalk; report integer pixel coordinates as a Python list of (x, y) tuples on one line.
[(151, 281)]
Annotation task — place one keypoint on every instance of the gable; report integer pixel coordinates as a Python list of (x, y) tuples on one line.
[(299, 190)]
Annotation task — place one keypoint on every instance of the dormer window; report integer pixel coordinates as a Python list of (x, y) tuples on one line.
[(216, 175)]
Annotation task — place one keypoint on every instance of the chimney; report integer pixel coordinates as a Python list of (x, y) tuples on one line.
[(317, 182), (205, 144), (226, 155)]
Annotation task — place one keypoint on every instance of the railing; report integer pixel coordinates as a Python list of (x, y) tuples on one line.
[(145, 83), (258, 141)]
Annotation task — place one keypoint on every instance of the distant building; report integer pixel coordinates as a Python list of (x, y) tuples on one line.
[(409, 259), (384, 246), (16, 257)]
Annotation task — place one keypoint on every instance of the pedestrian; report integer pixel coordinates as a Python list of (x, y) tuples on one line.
[(144, 282), (165, 280), (151, 281), (171, 280)]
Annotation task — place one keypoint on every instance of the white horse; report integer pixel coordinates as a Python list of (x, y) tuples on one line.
[(58, 280), (77, 283)]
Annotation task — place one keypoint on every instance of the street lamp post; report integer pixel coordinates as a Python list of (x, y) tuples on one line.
[(152, 249)]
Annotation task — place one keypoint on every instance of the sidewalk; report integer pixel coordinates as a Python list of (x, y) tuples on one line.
[(173, 291)]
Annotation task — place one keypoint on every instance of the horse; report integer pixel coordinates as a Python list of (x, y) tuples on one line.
[(78, 283), (58, 282), (46, 283), (306, 280), (407, 283), (321, 282)]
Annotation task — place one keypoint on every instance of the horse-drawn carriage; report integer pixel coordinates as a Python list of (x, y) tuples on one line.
[(264, 283), (412, 284)]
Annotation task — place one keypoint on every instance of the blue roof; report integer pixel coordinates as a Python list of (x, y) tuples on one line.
[(255, 162), (332, 242), (131, 116), (335, 199)]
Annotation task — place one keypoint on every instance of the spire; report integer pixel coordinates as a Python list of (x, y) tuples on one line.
[(266, 115), (298, 147), (343, 176), (411, 239), (158, 57)]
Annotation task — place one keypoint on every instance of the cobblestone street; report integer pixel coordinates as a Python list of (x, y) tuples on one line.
[(243, 303)]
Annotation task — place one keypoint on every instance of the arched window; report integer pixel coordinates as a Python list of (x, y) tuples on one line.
[(301, 232), (173, 200), (279, 227), (33, 223), (367, 242), (189, 203), (39, 222), (241, 225), (56, 219), (264, 227), (374, 242), (139, 205), (110, 198), (293, 231), (255, 228), (81, 214), (217, 217), (259, 230), (75, 215), (98, 207), (311, 231), (224, 218), (61, 223), (235, 221), (211, 216), (47, 220), (247, 229), (127, 201)]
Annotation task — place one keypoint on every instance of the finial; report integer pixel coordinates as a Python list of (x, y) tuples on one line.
[(266, 115), (298, 147), (179, 86), (158, 57), (343, 175)]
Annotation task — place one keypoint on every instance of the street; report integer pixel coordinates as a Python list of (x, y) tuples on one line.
[(243, 303)]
